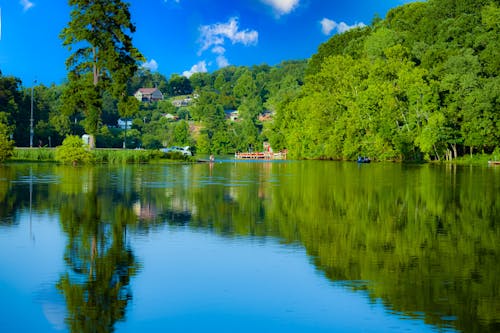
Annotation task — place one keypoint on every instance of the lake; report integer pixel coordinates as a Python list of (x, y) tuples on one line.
[(283, 246)]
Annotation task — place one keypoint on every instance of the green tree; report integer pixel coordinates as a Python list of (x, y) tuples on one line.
[(6, 144), (73, 151), (11, 105), (200, 80), (104, 59), (179, 85), (181, 135), (214, 136)]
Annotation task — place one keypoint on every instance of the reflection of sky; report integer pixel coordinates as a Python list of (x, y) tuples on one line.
[(31, 260), (190, 282), (199, 282)]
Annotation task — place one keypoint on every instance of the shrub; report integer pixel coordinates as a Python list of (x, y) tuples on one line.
[(73, 151)]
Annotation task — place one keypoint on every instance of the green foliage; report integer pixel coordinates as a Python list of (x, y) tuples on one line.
[(11, 103), (347, 43), (73, 151), (177, 156), (124, 156), (423, 84), (179, 85), (34, 154), (6, 145), (109, 137), (214, 136), (181, 135), (105, 58)]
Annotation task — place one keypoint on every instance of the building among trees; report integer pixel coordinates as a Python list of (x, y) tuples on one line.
[(148, 95)]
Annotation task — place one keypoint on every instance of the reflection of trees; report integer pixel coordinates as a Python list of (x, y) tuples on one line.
[(425, 245), (101, 264), (426, 239), (6, 198), (16, 186)]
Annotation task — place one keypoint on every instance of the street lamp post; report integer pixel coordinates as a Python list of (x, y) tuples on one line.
[(31, 118)]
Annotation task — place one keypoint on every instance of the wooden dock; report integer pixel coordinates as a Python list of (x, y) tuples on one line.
[(261, 156)]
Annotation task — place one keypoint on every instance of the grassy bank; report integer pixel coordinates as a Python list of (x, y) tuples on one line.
[(100, 156), (33, 154), (478, 159), (124, 156)]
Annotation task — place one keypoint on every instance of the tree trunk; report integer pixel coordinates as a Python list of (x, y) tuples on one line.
[(436, 152), (91, 141), (455, 154), (95, 70)]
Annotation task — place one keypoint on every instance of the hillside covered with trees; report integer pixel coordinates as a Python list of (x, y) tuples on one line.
[(420, 84)]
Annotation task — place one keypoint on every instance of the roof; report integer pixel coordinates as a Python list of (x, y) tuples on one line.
[(147, 91)]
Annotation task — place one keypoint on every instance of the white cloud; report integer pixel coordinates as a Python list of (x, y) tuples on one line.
[(222, 61), (219, 50), (282, 7), (221, 58), (26, 4), (327, 26), (216, 35), (200, 67), (152, 65)]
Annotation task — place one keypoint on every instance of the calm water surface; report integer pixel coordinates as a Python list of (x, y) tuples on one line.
[(250, 247)]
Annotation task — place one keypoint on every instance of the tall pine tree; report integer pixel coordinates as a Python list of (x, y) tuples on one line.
[(103, 57)]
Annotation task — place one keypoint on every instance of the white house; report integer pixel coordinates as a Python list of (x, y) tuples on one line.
[(148, 95)]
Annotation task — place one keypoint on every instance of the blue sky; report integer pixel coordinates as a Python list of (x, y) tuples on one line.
[(185, 36)]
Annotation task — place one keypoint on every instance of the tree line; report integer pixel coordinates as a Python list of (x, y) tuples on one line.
[(420, 84), (202, 124)]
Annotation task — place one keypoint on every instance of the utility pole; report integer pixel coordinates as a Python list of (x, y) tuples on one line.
[(31, 118)]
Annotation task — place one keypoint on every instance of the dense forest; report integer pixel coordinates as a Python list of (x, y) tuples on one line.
[(420, 84)]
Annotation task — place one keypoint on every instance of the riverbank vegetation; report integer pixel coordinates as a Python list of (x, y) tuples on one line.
[(98, 156), (421, 84)]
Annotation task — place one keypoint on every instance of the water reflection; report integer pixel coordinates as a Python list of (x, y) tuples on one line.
[(100, 263), (424, 241)]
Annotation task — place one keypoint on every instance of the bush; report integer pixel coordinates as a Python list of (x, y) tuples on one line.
[(73, 151), (177, 156)]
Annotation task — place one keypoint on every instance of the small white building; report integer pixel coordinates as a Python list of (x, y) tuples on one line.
[(148, 95), (86, 139)]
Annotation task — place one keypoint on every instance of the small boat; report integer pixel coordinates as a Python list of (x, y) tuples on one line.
[(493, 162), (363, 159)]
